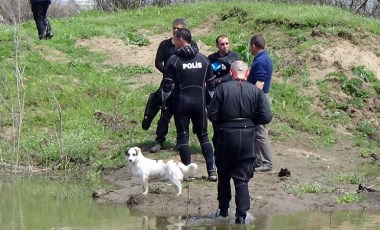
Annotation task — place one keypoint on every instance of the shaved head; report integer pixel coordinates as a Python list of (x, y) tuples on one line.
[(239, 70)]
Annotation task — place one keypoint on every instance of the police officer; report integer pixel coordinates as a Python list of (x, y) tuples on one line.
[(165, 50), (236, 107), (189, 71), (221, 60)]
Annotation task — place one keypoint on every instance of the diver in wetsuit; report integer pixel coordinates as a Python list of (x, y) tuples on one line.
[(190, 72), (154, 103)]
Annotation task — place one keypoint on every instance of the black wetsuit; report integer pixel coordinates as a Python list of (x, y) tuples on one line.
[(190, 72), (164, 51), (237, 106)]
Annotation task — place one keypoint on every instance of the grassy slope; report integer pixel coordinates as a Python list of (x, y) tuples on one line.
[(74, 82)]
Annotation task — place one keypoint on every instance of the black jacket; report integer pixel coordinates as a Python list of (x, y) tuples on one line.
[(239, 104), (35, 1), (190, 72), (222, 65)]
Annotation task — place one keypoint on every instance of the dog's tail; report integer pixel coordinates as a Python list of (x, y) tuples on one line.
[(173, 171), (188, 170)]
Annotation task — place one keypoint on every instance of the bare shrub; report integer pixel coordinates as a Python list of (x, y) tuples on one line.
[(14, 11), (112, 5), (369, 8), (20, 10), (63, 9), (363, 7)]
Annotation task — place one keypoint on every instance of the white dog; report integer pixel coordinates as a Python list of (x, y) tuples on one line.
[(147, 169)]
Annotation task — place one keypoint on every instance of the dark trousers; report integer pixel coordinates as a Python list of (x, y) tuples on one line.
[(182, 122), (235, 158), (163, 123), (153, 106), (39, 10)]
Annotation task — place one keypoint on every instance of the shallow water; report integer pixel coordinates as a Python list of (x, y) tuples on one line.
[(46, 202)]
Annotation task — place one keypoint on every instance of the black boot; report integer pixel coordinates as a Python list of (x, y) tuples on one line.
[(49, 32), (157, 147), (212, 176), (42, 36), (240, 220), (223, 212)]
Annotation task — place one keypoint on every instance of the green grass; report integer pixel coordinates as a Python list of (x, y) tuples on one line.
[(351, 178), (310, 187), (77, 82), (349, 198)]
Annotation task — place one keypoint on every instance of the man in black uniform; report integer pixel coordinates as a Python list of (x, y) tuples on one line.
[(222, 59), (154, 104), (236, 107), (221, 62), (189, 71)]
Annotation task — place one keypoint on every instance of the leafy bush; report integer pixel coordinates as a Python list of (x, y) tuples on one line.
[(354, 87), (364, 74), (136, 40), (366, 128), (244, 51)]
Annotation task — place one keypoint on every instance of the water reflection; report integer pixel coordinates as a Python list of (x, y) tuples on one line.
[(342, 220), (46, 202)]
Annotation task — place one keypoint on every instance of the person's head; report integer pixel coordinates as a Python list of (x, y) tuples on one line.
[(223, 45), (257, 44), (178, 23), (239, 70), (182, 37)]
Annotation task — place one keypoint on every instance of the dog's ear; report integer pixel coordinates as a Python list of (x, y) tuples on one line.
[(126, 151), (138, 150)]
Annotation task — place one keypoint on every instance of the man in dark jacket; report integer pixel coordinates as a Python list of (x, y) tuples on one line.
[(39, 10), (236, 107), (221, 62), (165, 50), (222, 59), (189, 71)]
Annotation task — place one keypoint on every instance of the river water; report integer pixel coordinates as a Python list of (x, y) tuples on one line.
[(52, 203)]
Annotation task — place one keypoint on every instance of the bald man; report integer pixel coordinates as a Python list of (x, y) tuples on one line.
[(236, 107)]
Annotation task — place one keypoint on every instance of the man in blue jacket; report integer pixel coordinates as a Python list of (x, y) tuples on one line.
[(39, 10), (261, 76)]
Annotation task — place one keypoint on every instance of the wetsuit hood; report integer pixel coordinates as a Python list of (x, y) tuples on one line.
[(187, 52)]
